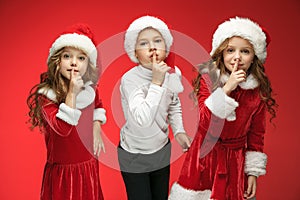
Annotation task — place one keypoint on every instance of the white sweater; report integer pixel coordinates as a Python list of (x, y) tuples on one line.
[(148, 110)]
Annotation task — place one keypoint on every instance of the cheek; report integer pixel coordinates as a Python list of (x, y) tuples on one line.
[(227, 61), (83, 69)]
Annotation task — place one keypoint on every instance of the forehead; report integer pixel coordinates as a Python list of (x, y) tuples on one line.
[(73, 49), (149, 32), (239, 41)]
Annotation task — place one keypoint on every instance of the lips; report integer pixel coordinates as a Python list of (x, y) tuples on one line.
[(75, 70), (239, 65)]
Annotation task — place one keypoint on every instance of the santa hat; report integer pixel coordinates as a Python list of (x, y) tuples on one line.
[(138, 25), (79, 36), (244, 28)]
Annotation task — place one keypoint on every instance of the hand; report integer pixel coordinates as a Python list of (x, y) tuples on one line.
[(236, 77), (75, 86), (159, 70), (76, 82), (97, 139), (184, 141), (251, 190)]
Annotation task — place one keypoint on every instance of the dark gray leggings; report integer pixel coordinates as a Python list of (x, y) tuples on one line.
[(147, 186)]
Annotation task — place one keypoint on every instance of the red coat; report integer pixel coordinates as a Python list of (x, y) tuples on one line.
[(229, 128), (71, 171)]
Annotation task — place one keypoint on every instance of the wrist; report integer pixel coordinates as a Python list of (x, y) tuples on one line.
[(156, 83), (71, 100), (226, 90)]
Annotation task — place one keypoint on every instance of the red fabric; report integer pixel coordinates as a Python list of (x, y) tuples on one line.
[(71, 171), (217, 163), (81, 29)]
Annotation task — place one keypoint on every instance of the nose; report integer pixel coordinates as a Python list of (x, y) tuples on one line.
[(152, 46), (237, 56), (73, 62)]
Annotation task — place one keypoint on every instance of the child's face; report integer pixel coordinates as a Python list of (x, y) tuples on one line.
[(238, 50), (72, 58), (148, 42)]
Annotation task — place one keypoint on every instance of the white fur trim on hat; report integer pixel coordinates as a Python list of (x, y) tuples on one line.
[(255, 163), (179, 193), (138, 25), (244, 28), (78, 41)]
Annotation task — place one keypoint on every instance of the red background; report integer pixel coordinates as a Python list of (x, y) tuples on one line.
[(29, 28)]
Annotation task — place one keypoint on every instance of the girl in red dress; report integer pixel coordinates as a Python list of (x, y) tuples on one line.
[(66, 107), (234, 94)]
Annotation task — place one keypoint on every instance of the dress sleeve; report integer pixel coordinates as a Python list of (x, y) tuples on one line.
[(142, 101), (61, 118), (99, 111), (256, 160)]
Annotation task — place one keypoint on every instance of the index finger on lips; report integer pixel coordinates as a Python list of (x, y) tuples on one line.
[(154, 57), (235, 66)]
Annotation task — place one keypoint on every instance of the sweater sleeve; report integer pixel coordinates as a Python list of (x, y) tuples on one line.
[(142, 101), (175, 115)]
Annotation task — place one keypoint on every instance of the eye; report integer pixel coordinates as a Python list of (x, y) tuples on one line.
[(143, 43), (230, 50), (66, 55), (82, 58), (158, 40), (245, 51)]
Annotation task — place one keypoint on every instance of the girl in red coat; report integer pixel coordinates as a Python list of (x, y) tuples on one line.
[(66, 107), (234, 94)]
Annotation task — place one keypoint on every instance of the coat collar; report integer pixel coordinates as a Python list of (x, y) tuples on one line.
[(83, 99), (250, 83)]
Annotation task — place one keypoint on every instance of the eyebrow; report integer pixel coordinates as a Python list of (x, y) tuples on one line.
[(245, 47)]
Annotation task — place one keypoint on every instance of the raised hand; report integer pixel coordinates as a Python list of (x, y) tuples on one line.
[(75, 86), (76, 82), (159, 70), (236, 77)]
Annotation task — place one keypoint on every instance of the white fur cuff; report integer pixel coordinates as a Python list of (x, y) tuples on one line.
[(222, 105), (255, 163), (67, 114), (179, 193), (99, 114)]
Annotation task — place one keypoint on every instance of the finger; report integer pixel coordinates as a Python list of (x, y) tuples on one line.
[(253, 192), (95, 149), (235, 66), (249, 190), (154, 57), (188, 141), (103, 148), (99, 151)]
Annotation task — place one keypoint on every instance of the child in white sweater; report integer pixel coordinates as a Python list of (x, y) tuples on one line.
[(150, 103)]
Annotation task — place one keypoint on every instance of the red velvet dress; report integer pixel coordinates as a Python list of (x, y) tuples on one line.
[(215, 162), (71, 171)]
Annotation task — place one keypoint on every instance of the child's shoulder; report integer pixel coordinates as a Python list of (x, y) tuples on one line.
[(130, 73), (47, 93)]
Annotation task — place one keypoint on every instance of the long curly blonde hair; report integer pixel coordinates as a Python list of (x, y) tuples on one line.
[(257, 69), (53, 79)]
